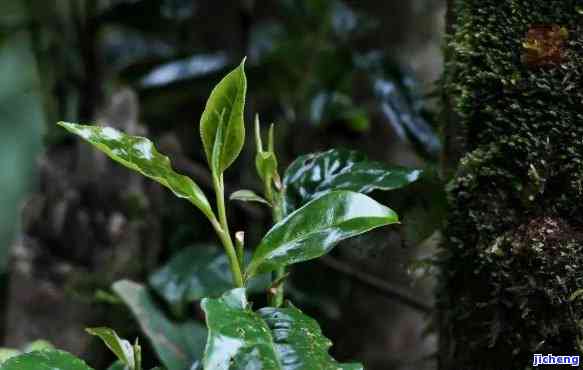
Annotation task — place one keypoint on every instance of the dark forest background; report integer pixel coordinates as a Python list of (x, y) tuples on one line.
[(354, 74)]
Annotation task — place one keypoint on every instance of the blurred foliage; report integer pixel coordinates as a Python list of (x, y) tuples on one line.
[(177, 344), (305, 64), (23, 120), (196, 272)]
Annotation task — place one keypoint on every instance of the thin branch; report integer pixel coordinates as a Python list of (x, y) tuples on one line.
[(379, 285)]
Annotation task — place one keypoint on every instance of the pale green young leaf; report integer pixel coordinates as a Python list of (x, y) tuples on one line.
[(122, 349), (247, 196), (265, 161), (228, 96), (266, 165), (137, 350), (218, 145)]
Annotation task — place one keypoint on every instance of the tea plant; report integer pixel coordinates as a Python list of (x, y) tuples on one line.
[(319, 201)]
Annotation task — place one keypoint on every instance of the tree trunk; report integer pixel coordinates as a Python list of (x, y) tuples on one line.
[(513, 247)]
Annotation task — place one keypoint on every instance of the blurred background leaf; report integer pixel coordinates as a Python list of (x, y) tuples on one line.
[(21, 126), (178, 345)]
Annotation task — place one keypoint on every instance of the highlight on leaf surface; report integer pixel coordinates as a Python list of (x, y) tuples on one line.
[(226, 103), (139, 154), (46, 359), (314, 229), (271, 338), (313, 175)]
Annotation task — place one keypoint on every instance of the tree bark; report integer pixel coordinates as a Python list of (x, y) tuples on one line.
[(513, 247)]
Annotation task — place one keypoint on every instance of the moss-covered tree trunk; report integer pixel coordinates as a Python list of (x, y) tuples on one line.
[(513, 250)]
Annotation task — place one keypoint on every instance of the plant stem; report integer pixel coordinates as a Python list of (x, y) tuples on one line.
[(240, 245), (276, 298), (222, 229)]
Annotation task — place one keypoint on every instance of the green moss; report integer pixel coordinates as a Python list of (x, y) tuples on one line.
[(504, 290)]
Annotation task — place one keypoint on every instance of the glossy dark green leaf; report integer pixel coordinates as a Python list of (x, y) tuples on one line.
[(178, 345), (272, 338), (314, 229), (196, 272), (139, 154), (247, 196), (228, 96), (238, 338), (50, 359), (313, 175), (299, 341), (122, 349)]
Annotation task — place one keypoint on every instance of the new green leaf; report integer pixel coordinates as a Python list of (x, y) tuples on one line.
[(265, 160), (122, 349), (272, 338), (247, 196), (139, 154), (313, 175), (178, 345), (266, 165), (317, 227), (50, 359), (228, 96)]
